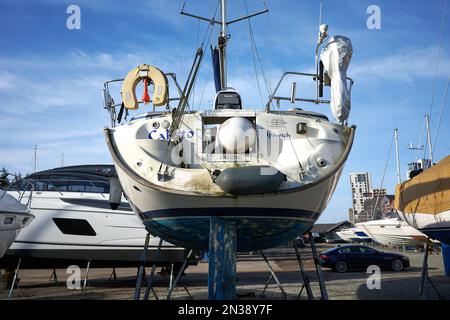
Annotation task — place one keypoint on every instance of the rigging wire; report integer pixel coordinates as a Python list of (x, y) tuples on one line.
[(268, 47), (321, 13), (421, 137), (445, 141), (256, 52), (196, 45), (382, 178), (438, 55), (178, 115), (444, 100), (252, 45), (208, 74)]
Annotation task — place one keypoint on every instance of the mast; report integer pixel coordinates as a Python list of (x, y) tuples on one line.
[(399, 178), (430, 147), (35, 158), (222, 45), (223, 38)]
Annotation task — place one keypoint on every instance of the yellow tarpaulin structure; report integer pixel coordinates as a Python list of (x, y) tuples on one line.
[(428, 192)]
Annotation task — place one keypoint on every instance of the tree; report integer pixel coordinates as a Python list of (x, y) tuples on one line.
[(4, 182)]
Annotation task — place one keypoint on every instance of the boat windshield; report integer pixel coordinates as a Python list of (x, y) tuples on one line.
[(63, 184)]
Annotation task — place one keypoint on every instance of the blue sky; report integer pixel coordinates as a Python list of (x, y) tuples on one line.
[(51, 77)]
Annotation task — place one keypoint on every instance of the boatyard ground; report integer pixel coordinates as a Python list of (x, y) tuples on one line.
[(252, 275)]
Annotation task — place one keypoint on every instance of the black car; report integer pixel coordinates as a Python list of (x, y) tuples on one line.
[(344, 258)]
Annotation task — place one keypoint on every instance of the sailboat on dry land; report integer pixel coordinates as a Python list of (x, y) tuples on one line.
[(270, 171), (424, 201), (14, 216)]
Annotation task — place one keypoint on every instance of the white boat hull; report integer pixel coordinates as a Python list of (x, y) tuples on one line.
[(392, 232), (435, 226), (119, 235), (262, 221), (13, 217)]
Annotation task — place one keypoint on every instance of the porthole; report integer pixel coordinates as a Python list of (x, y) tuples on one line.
[(155, 125), (8, 220)]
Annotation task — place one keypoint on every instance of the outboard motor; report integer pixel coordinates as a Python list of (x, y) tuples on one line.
[(115, 193), (336, 57)]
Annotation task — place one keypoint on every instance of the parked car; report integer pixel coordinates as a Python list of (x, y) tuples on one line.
[(348, 257)]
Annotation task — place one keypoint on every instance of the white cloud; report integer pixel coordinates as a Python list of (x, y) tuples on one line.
[(409, 64), (6, 81)]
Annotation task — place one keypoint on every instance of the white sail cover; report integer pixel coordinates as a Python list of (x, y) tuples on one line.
[(336, 57)]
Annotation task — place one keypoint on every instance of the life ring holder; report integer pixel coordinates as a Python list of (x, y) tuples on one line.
[(144, 71)]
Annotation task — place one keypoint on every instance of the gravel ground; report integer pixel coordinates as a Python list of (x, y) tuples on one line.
[(252, 275)]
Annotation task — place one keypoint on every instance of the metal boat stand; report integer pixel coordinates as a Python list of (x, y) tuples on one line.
[(13, 284), (149, 285), (306, 284), (113, 275), (53, 277), (85, 283), (305, 278), (425, 280), (152, 273), (137, 290), (272, 276), (177, 278), (323, 288)]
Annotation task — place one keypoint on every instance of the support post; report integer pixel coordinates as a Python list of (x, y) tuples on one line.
[(86, 276), (273, 275), (137, 290), (306, 282), (152, 273), (11, 290), (323, 289), (425, 278), (424, 275), (171, 275), (180, 273), (222, 259), (113, 275), (53, 276), (266, 285)]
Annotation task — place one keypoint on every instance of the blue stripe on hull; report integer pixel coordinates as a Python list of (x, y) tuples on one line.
[(232, 212), (255, 231)]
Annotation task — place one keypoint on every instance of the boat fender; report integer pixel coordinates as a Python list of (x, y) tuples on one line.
[(115, 193), (250, 180), (145, 71)]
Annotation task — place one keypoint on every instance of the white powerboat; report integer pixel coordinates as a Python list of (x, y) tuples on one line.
[(353, 235), (393, 232), (74, 223), (271, 171), (14, 216), (346, 234)]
